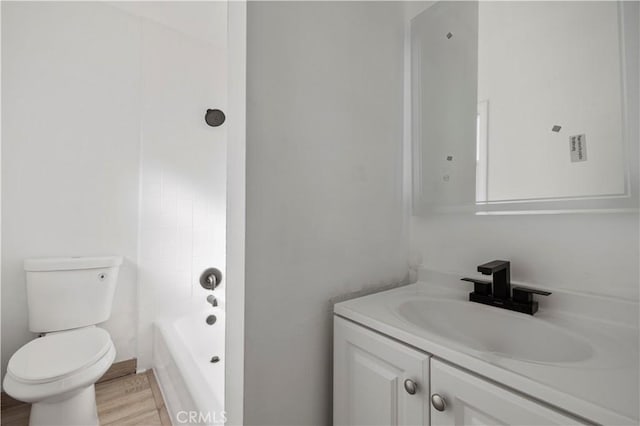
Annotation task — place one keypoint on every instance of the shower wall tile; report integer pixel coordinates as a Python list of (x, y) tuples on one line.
[(182, 176)]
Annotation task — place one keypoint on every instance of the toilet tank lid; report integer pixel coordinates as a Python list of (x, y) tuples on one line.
[(71, 263)]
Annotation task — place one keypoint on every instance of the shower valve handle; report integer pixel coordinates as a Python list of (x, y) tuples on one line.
[(210, 278)]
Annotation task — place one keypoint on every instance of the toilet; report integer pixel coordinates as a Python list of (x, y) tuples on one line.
[(57, 371)]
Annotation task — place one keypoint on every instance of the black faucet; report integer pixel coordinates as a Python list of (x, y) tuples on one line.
[(501, 271), (498, 292)]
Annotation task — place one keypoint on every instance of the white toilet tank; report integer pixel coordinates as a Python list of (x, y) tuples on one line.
[(70, 292)]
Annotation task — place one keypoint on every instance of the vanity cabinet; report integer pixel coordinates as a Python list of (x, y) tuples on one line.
[(471, 400), (373, 385), (377, 380)]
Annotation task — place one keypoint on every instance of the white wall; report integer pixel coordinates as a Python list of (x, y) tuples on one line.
[(324, 189), (201, 20), (236, 197), (596, 253), (70, 143)]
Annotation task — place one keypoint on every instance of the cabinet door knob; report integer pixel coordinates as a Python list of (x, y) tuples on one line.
[(410, 386), (438, 402)]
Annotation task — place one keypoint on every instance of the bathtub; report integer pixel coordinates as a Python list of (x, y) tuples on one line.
[(192, 386)]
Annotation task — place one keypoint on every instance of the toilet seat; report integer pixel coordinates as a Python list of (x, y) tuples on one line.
[(57, 356), (33, 383)]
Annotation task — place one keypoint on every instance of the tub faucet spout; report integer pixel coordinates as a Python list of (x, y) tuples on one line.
[(212, 299)]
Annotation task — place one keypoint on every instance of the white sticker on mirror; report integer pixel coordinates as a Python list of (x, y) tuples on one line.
[(578, 148)]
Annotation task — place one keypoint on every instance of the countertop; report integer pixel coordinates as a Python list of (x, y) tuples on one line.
[(602, 388)]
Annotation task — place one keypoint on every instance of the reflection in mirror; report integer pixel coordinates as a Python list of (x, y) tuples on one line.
[(524, 103)]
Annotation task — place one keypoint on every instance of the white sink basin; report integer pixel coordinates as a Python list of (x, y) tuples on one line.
[(493, 330)]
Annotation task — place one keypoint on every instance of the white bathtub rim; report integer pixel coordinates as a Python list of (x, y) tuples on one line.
[(187, 365), (199, 388)]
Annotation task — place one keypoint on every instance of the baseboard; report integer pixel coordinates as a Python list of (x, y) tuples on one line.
[(165, 420), (117, 369), (7, 402)]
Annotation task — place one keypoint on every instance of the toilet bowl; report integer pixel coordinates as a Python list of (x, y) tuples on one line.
[(57, 372)]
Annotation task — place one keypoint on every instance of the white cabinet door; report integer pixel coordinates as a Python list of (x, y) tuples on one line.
[(471, 400), (368, 379)]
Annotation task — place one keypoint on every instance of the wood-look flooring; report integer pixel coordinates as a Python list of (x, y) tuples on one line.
[(129, 400)]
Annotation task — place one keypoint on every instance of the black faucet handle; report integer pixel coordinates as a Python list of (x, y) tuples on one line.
[(479, 286), (525, 295), (493, 266)]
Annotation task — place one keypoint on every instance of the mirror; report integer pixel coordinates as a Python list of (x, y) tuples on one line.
[(525, 106)]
